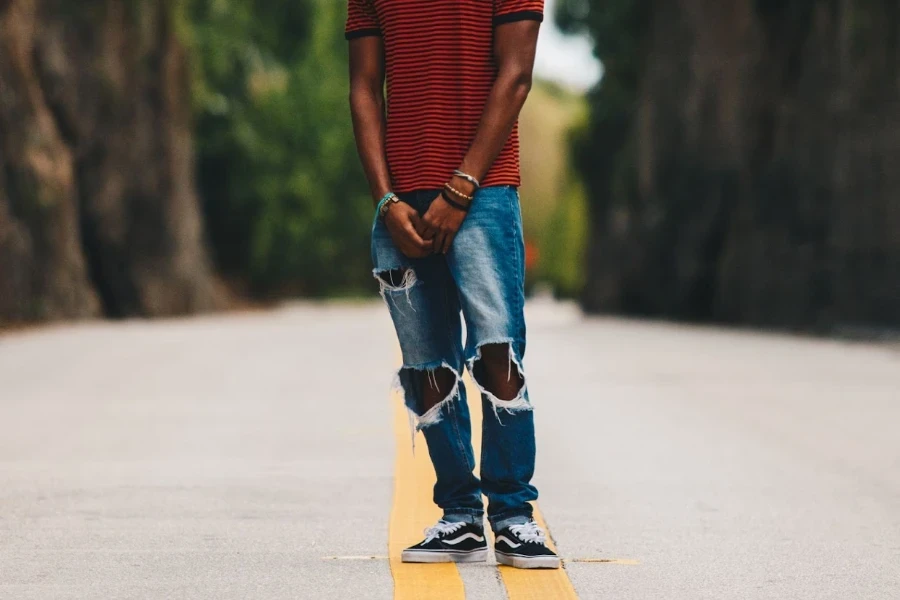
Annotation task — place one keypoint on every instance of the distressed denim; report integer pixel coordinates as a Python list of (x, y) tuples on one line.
[(481, 277)]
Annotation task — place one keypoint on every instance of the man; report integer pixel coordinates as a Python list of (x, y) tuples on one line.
[(442, 160)]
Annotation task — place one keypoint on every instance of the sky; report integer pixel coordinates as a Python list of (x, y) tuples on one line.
[(565, 59)]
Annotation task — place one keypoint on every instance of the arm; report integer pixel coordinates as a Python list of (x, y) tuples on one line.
[(367, 108), (514, 49)]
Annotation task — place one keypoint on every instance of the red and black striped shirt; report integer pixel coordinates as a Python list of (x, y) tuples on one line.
[(440, 68)]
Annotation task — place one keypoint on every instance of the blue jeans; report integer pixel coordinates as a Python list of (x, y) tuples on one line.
[(483, 277)]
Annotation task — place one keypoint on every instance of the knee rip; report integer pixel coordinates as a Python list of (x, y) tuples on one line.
[(401, 280), (429, 390), (492, 371), (437, 386), (396, 280)]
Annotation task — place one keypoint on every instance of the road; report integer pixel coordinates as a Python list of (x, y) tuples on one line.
[(253, 456)]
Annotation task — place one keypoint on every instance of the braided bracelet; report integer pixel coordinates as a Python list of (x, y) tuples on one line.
[(468, 178), (453, 202), (457, 193)]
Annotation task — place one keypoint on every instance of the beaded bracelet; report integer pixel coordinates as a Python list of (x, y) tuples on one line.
[(457, 193), (380, 210)]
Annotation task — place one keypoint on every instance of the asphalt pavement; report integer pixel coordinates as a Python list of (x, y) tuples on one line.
[(252, 455)]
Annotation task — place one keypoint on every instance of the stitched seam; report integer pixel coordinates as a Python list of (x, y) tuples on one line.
[(520, 283), (360, 33), (455, 416), (525, 15)]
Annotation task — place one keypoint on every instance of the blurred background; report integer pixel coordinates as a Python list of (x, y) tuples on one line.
[(733, 162)]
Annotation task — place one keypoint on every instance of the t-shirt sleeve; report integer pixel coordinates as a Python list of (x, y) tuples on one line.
[(509, 11), (362, 20)]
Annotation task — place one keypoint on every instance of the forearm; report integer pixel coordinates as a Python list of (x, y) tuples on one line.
[(497, 121), (514, 49), (367, 108), (444, 219)]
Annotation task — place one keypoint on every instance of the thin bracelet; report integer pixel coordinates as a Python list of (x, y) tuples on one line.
[(384, 200), (468, 178), (453, 202), (457, 193)]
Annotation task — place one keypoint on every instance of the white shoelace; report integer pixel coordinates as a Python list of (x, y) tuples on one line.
[(529, 532), (441, 528)]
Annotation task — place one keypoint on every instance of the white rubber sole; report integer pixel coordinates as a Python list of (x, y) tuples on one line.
[(424, 556), (528, 562)]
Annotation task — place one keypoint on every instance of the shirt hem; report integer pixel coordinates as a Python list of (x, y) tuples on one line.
[(420, 186), (360, 33), (525, 15)]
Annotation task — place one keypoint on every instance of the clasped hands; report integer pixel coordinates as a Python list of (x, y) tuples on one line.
[(418, 236)]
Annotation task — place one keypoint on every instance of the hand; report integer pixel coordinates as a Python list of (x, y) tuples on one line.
[(404, 223), (440, 224)]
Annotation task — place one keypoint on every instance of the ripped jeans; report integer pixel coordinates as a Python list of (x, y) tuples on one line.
[(483, 277)]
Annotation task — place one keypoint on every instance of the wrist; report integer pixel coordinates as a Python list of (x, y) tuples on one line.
[(463, 185), (378, 194), (448, 198), (385, 204)]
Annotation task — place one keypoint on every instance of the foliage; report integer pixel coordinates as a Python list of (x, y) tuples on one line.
[(553, 203), (285, 199), (747, 210), (602, 150)]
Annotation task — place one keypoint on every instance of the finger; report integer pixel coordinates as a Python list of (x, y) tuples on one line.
[(439, 242), (425, 249), (427, 245), (429, 227), (415, 238), (448, 242), (421, 226)]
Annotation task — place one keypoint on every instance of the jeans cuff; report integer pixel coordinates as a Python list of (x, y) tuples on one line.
[(504, 520), (472, 516)]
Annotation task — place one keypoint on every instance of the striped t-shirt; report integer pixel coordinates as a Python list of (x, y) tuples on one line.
[(440, 68)]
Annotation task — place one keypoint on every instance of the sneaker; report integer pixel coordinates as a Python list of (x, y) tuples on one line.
[(449, 542), (524, 547)]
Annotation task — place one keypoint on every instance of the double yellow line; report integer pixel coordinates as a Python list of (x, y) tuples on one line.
[(413, 511)]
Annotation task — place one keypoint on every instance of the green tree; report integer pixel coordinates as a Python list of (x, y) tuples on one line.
[(739, 160), (602, 148), (285, 198)]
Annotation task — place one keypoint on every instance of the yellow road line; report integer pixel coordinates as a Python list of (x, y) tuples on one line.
[(521, 584), (473, 399), (413, 510), (532, 584)]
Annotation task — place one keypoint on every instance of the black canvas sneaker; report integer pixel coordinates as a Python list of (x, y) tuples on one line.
[(449, 542), (524, 547)]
